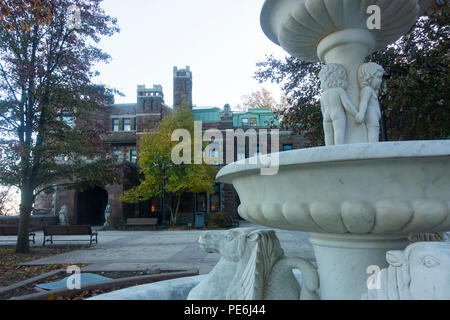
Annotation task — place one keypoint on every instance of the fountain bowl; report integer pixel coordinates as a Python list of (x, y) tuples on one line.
[(359, 189), (298, 26)]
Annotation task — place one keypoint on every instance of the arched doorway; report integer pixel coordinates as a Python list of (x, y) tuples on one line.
[(91, 205)]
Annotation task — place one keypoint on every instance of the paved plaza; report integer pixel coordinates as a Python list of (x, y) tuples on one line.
[(149, 250)]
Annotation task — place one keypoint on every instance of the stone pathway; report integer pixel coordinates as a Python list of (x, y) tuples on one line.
[(165, 250)]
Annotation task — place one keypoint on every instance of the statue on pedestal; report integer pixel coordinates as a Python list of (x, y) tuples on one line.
[(107, 215), (336, 104), (63, 216)]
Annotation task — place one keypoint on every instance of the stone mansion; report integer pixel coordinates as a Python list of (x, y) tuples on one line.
[(126, 123)]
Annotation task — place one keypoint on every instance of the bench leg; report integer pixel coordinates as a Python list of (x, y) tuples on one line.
[(32, 235), (47, 240)]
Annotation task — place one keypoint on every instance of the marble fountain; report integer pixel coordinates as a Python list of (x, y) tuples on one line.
[(359, 199)]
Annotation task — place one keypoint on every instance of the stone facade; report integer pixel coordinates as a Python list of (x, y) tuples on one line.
[(124, 125), (182, 87)]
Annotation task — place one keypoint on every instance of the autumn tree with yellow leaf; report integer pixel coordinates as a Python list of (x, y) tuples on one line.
[(158, 169)]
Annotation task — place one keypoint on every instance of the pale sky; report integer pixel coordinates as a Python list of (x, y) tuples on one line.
[(220, 40)]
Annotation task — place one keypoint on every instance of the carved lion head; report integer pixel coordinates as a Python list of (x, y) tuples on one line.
[(229, 244), (254, 251), (420, 272), (427, 270)]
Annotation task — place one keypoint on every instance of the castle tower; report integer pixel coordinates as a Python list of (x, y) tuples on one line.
[(149, 100), (149, 108), (182, 87)]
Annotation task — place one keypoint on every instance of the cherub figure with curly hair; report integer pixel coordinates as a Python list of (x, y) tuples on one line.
[(370, 77), (335, 102)]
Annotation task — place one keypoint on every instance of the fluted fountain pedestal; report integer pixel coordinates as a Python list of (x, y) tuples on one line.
[(347, 261)]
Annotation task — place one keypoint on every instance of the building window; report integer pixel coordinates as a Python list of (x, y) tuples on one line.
[(135, 124), (287, 147), (133, 156), (115, 124), (214, 154), (209, 203), (253, 122), (154, 207), (119, 156), (68, 120), (244, 122), (201, 202), (152, 103), (214, 199), (127, 124)]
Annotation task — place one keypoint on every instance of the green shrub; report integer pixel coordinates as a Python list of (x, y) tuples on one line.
[(221, 219)]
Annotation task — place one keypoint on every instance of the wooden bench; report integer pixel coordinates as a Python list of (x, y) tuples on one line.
[(14, 231), (142, 222), (50, 231)]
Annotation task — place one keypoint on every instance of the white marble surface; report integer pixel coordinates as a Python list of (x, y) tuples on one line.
[(363, 151), (174, 289), (344, 259)]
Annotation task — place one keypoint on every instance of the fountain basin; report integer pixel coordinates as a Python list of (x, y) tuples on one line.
[(298, 26), (174, 289), (378, 188), (357, 201)]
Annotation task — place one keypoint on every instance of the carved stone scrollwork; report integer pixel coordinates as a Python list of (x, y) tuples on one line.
[(357, 217)]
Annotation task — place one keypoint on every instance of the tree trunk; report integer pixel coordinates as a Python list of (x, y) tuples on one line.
[(175, 213), (26, 205)]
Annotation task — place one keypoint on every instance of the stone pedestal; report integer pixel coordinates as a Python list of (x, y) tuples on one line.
[(343, 261)]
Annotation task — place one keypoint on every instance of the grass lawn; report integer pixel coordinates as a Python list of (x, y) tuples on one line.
[(10, 270)]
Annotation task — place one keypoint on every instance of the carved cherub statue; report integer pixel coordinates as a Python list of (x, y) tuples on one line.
[(370, 77), (335, 102)]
